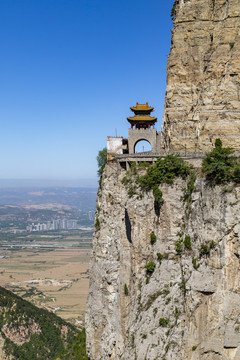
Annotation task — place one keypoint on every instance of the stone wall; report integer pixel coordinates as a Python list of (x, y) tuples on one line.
[(203, 76), (136, 135)]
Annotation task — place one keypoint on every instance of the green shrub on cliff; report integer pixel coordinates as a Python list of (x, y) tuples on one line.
[(163, 322), (236, 174), (150, 267), (187, 242), (157, 193), (179, 246), (218, 165), (101, 160), (165, 170), (153, 238), (97, 224), (173, 10)]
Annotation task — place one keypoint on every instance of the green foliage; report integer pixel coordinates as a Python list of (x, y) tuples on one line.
[(212, 245), (231, 44), (97, 224), (195, 264), (204, 250), (125, 180), (157, 193), (165, 170), (133, 168), (132, 191), (125, 290), (101, 160), (176, 313), (179, 246), (154, 296), (160, 257), (153, 238), (144, 164), (182, 286), (187, 242), (194, 347), (236, 174), (150, 267), (187, 192), (218, 165), (16, 312), (76, 350), (173, 10), (133, 339), (155, 310), (163, 322)]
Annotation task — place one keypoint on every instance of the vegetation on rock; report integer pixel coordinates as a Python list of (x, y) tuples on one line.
[(187, 192), (195, 264), (150, 267), (163, 322), (75, 350), (173, 10), (125, 289), (97, 224), (42, 333), (160, 257), (206, 248), (157, 193), (165, 170), (220, 166), (187, 242), (101, 160), (179, 246), (153, 238)]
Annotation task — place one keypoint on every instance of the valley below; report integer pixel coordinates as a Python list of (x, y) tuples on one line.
[(56, 280), (49, 268)]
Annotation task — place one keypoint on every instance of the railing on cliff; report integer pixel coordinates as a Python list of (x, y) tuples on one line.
[(153, 156)]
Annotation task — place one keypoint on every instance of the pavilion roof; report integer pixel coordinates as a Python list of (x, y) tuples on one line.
[(142, 107), (137, 118)]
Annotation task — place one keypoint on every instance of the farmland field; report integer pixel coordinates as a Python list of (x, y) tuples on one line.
[(56, 279)]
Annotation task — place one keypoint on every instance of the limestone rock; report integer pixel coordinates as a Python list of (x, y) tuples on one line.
[(182, 311), (203, 76)]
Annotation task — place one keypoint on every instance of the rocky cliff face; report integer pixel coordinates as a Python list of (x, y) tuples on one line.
[(203, 76), (189, 307)]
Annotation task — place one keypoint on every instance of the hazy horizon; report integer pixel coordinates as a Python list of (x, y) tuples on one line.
[(81, 183)]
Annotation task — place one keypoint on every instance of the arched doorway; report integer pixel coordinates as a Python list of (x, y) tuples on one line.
[(142, 146)]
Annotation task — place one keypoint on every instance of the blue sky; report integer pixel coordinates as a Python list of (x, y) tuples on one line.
[(70, 70)]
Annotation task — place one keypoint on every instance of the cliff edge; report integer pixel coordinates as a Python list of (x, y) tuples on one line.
[(188, 307)]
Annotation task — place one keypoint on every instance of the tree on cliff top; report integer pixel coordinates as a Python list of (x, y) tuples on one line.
[(101, 160), (218, 165)]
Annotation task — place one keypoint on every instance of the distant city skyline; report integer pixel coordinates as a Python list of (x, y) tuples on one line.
[(70, 72)]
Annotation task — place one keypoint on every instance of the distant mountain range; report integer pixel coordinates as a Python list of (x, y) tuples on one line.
[(14, 183), (78, 197)]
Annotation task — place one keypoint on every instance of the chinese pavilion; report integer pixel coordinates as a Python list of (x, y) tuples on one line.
[(142, 118)]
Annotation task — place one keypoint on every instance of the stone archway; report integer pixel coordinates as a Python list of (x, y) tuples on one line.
[(136, 135), (142, 145)]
